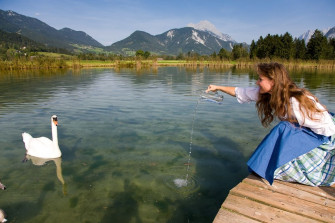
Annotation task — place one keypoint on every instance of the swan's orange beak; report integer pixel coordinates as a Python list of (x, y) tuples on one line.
[(55, 122)]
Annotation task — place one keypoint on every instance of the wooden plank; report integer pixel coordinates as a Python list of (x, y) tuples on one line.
[(262, 212), (288, 202), (326, 192), (227, 216), (294, 191), (255, 200)]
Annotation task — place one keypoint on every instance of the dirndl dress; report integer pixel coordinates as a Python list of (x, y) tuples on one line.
[(295, 154)]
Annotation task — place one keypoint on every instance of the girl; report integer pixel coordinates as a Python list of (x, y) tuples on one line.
[(301, 148)]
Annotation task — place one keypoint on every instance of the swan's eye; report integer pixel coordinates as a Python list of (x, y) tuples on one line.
[(55, 119)]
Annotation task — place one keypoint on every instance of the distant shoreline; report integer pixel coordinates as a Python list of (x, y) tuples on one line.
[(211, 64), (138, 64)]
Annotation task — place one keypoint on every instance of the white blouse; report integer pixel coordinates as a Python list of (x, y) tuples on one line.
[(324, 124)]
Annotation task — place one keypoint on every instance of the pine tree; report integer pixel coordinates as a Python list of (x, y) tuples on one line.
[(317, 46), (223, 54), (299, 49), (331, 46), (253, 50), (287, 46)]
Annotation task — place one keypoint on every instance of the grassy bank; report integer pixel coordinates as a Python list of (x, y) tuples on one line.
[(191, 63), (54, 62)]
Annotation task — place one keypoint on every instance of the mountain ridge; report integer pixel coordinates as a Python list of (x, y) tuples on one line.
[(41, 32), (201, 38), (327, 32), (205, 25), (172, 42)]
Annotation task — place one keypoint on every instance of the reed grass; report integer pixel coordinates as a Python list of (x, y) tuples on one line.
[(54, 63)]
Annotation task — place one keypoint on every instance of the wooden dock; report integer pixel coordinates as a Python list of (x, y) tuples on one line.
[(254, 200)]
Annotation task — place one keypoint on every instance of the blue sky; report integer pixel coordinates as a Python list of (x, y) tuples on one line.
[(109, 21)]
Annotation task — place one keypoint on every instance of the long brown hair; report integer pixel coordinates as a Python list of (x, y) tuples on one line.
[(277, 102)]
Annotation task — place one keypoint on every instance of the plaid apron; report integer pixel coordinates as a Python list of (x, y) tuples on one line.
[(315, 168)]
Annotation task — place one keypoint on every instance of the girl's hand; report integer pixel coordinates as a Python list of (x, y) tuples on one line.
[(211, 87)]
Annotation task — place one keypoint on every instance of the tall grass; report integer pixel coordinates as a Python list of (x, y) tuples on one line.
[(61, 62), (33, 63)]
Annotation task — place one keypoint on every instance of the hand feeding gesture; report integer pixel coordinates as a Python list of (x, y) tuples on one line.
[(211, 87), (226, 89)]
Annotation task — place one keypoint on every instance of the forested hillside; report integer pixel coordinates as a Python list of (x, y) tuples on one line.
[(13, 45)]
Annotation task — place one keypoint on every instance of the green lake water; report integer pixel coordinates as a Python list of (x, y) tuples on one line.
[(125, 138)]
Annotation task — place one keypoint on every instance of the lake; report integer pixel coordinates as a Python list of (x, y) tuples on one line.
[(125, 137)]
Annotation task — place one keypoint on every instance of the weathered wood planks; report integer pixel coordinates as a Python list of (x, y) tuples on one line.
[(254, 200)]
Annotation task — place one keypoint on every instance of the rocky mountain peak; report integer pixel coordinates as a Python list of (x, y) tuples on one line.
[(207, 26)]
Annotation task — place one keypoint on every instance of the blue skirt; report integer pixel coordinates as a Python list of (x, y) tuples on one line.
[(284, 143)]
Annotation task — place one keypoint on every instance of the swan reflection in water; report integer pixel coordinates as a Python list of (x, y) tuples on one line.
[(58, 161)]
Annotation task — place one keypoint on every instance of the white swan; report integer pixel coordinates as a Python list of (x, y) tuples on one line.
[(43, 147)]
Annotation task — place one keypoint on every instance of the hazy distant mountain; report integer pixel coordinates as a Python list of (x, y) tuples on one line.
[(172, 42), (209, 27), (40, 32), (328, 32), (331, 33)]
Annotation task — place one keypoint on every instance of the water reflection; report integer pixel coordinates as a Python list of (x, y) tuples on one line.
[(32, 87), (126, 134), (58, 162)]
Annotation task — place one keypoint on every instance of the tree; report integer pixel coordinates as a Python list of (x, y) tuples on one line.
[(224, 54), (253, 50), (239, 52), (146, 54), (180, 56), (331, 45), (261, 52), (286, 51), (139, 53), (299, 49), (213, 55), (11, 53), (317, 46)]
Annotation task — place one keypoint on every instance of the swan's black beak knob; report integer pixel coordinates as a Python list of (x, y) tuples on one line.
[(55, 120)]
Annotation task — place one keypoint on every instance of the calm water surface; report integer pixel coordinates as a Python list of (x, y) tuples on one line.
[(125, 138)]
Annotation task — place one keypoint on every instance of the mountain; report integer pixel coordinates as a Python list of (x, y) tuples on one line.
[(172, 42), (14, 40), (136, 41), (331, 33), (210, 28), (202, 38), (328, 32), (40, 32), (306, 36)]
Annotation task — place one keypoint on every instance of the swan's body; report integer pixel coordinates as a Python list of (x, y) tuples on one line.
[(43, 147)]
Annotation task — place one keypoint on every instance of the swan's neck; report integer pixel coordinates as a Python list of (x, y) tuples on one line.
[(54, 134)]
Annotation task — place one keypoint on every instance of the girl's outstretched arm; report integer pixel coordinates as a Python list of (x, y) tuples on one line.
[(226, 89)]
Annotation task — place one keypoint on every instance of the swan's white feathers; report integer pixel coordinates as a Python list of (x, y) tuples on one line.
[(41, 147)]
